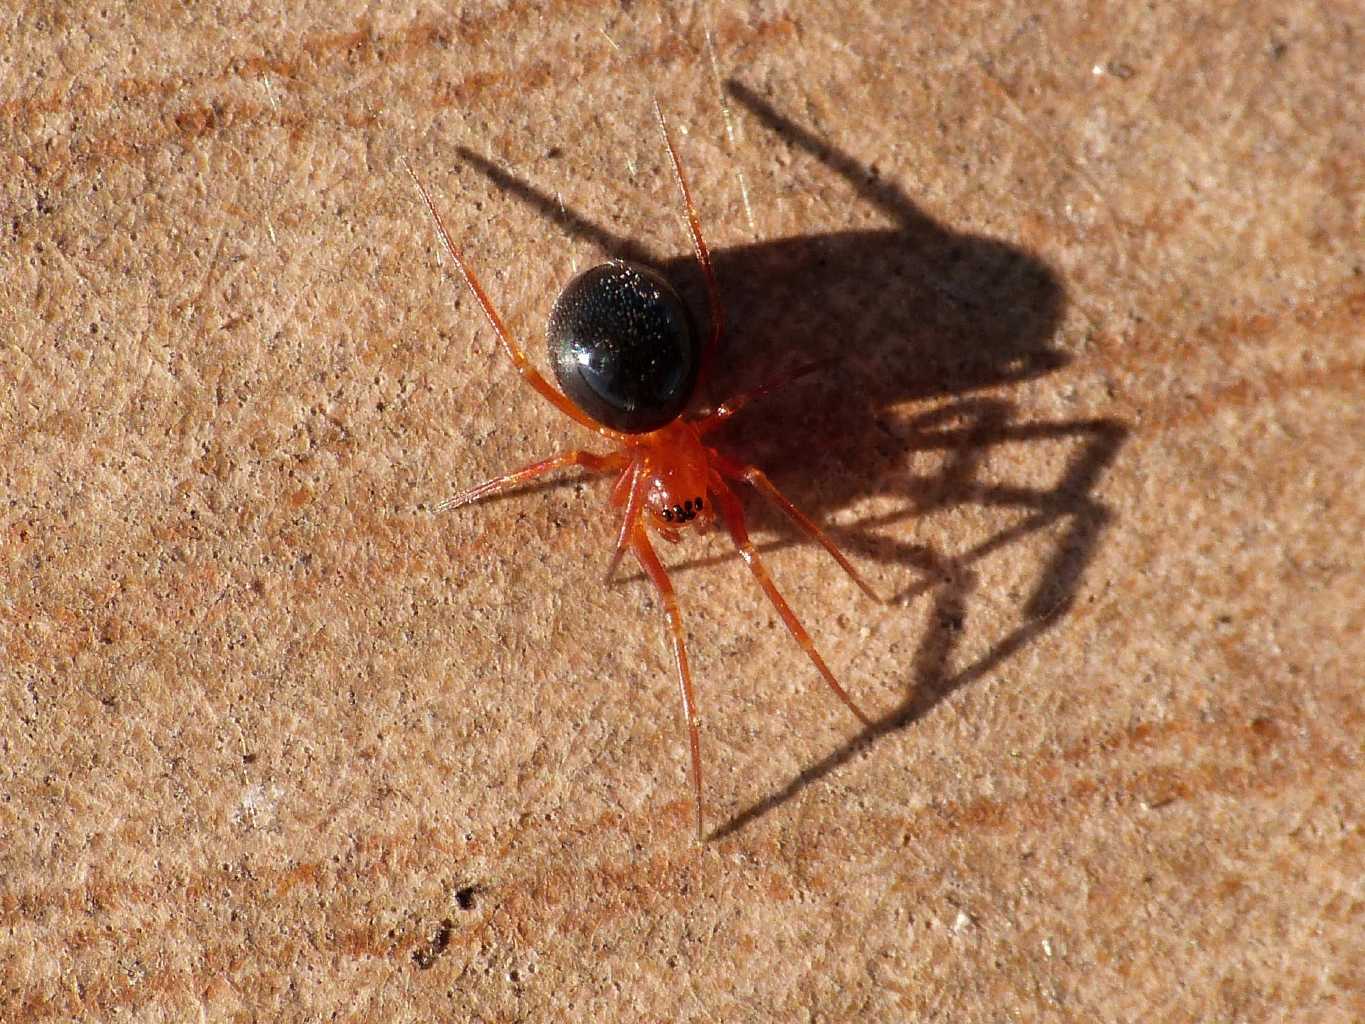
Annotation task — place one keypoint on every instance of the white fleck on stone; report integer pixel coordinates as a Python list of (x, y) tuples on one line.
[(257, 806)]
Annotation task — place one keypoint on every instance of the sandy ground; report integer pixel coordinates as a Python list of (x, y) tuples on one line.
[(279, 743)]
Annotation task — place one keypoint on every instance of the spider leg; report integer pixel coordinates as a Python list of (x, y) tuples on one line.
[(529, 373), (630, 493), (733, 514), (592, 462), (649, 561), (756, 478), (698, 242), (710, 420)]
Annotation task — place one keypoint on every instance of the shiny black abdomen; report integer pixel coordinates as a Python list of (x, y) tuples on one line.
[(623, 347)]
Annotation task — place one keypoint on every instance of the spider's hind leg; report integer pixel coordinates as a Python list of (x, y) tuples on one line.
[(699, 246), (529, 373)]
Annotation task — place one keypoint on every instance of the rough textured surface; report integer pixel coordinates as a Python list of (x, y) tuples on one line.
[(280, 744)]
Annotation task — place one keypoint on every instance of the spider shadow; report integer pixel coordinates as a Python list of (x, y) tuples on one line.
[(915, 312)]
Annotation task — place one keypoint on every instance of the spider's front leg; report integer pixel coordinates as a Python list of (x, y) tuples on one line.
[(591, 461), (733, 514), (649, 561), (757, 479)]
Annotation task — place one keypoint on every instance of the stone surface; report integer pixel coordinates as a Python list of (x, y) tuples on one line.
[(281, 744)]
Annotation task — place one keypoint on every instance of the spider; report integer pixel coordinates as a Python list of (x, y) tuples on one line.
[(623, 348)]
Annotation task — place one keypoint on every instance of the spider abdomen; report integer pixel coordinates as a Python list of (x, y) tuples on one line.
[(623, 348)]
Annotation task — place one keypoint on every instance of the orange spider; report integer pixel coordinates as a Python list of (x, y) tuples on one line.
[(625, 354)]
